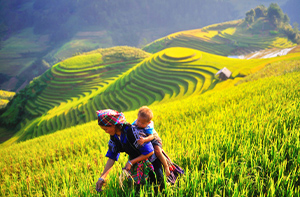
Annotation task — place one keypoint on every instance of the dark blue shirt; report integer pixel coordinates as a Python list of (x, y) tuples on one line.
[(114, 151)]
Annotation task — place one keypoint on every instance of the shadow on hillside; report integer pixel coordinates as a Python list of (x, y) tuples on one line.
[(5, 137)]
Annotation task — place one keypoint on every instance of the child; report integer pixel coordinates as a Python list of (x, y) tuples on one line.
[(144, 122)]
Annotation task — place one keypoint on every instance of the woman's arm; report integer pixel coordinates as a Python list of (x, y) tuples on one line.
[(108, 167), (137, 159)]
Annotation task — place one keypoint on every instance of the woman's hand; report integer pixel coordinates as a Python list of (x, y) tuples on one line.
[(99, 184), (128, 165)]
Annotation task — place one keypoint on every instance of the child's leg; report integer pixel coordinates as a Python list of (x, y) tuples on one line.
[(161, 157)]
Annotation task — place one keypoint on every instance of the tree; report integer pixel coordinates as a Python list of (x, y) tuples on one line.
[(260, 11), (250, 16), (275, 14), (286, 19)]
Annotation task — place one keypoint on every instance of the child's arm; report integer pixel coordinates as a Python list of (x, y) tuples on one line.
[(143, 140)]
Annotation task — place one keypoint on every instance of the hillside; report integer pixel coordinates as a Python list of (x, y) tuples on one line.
[(36, 34), (180, 65), (234, 137), (230, 38), (232, 141), (120, 78)]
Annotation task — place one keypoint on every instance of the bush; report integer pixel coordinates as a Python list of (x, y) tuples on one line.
[(260, 11)]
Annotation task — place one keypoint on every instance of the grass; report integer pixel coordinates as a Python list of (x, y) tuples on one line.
[(240, 141)]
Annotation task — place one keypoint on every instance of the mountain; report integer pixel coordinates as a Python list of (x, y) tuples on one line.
[(37, 34)]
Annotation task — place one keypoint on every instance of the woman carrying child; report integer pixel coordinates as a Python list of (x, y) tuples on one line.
[(123, 138), (142, 164)]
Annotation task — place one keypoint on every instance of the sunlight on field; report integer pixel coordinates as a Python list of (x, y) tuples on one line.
[(75, 88), (82, 61), (246, 134), (229, 31)]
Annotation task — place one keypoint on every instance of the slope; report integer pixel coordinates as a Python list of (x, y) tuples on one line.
[(72, 90), (64, 88), (229, 38), (242, 140)]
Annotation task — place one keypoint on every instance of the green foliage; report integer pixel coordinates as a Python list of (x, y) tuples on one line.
[(260, 11), (292, 34), (275, 14), (250, 16), (15, 112)]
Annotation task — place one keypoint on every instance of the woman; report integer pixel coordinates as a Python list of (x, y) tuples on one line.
[(123, 138)]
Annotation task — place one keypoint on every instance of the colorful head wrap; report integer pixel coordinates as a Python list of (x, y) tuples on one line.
[(109, 117)]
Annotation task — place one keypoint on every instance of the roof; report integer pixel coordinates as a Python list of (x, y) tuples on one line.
[(224, 71)]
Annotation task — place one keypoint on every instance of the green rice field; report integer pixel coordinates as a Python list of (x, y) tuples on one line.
[(239, 141)]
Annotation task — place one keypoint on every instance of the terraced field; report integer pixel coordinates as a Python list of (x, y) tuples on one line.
[(77, 87), (71, 85), (231, 38)]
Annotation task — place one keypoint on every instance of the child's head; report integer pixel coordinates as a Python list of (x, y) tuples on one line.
[(145, 116)]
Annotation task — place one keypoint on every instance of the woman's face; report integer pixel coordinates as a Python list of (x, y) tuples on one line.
[(110, 130)]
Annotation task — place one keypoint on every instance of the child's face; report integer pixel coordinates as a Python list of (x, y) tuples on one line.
[(141, 122)]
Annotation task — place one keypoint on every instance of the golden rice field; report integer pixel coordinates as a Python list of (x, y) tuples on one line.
[(239, 140)]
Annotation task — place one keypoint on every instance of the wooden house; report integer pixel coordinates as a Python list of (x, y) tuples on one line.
[(224, 74)]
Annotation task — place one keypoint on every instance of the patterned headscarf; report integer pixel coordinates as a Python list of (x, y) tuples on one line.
[(109, 117)]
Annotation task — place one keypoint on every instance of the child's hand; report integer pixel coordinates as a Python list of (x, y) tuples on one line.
[(141, 141)]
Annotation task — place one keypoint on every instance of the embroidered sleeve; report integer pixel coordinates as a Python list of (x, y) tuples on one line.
[(112, 152)]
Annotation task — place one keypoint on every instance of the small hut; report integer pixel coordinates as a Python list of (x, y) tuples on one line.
[(224, 74)]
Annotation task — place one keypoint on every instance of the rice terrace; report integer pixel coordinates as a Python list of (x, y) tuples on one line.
[(233, 137)]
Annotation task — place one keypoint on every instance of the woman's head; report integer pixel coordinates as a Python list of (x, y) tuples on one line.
[(109, 117), (109, 120)]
